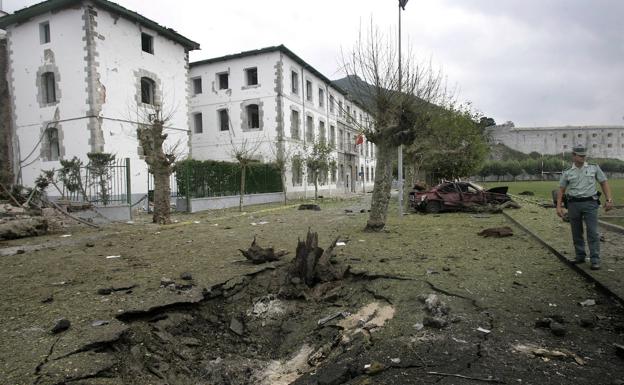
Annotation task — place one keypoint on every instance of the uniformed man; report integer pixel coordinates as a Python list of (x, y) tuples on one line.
[(579, 185)]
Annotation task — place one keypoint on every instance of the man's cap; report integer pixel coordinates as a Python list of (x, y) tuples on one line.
[(579, 150)]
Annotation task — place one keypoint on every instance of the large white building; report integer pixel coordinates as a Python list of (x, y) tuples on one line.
[(81, 74), (601, 141), (273, 100)]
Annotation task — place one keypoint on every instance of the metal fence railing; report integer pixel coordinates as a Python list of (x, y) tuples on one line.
[(108, 184), (173, 184)]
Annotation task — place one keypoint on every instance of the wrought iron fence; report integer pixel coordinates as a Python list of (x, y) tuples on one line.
[(107, 184)]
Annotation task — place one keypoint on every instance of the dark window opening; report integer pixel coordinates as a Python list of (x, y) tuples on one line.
[(53, 144), (253, 116), (252, 76), (197, 86), (309, 90), (224, 120), (294, 82), (224, 81), (321, 97), (147, 90), (49, 87), (199, 124), (44, 32), (147, 43)]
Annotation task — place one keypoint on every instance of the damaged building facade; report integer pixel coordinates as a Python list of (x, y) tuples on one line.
[(273, 102), (80, 76), (601, 141)]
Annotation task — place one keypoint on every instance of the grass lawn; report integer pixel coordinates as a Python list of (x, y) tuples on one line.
[(542, 189)]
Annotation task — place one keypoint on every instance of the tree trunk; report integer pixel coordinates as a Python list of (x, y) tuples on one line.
[(315, 186), (283, 177), (162, 193), (381, 192), (242, 187)]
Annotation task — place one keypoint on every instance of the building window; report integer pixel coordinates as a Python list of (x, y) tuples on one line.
[(340, 139), (49, 87), (331, 104), (594, 135), (565, 146), (251, 74), (594, 145), (309, 90), (565, 136), (54, 149), (297, 171), (44, 32), (294, 124), (321, 97), (198, 123), (147, 43), (309, 129), (148, 88), (609, 145), (294, 82), (340, 108), (197, 86), (579, 135), (321, 131), (224, 80), (332, 136), (348, 113), (224, 120), (609, 135), (253, 116)]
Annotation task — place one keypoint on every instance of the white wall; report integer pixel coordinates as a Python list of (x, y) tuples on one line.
[(119, 60), (27, 57)]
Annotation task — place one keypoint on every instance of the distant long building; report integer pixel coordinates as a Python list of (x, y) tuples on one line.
[(601, 141)]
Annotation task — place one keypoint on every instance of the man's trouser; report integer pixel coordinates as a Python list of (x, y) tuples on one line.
[(587, 212)]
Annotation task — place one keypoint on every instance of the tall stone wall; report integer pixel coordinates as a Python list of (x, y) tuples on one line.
[(601, 141)]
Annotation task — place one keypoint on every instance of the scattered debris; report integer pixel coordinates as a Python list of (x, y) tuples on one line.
[(100, 323), (437, 310), (60, 326), (619, 350), (547, 355), (22, 227), (325, 320), (309, 206), (237, 327), (312, 264), (113, 256), (588, 302), (488, 379), (497, 232), (258, 255), (483, 330), (527, 193), (186, 276)]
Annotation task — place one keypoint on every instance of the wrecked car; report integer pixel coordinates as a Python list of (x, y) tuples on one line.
[(455, 196)]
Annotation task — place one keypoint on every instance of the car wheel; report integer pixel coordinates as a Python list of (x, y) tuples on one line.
[(433, 207)]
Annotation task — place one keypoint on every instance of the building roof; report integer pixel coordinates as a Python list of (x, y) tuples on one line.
[(52, 5)]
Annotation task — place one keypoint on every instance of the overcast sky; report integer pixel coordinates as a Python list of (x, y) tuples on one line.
[(534, 62)]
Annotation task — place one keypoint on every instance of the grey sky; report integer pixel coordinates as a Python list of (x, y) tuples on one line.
[(534, 62)]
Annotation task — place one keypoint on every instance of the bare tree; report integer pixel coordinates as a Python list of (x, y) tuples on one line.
[(159, 159), (397, 101)]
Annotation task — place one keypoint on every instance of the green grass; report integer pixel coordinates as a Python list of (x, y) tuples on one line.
[(542, 189)]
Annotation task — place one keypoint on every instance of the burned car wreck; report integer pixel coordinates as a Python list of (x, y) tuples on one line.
[(455, 196)]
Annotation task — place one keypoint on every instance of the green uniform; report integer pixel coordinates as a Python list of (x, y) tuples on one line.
[(581, 182)]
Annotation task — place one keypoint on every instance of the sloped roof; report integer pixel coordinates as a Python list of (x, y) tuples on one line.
[(53, 5)]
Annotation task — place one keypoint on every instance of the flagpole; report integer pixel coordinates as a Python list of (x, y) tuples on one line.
[(400, 160)]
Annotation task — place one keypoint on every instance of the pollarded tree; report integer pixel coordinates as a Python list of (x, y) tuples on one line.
[(160, 161), (396, 100)]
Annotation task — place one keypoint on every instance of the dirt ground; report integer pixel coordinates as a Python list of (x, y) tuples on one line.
[(426, 301)]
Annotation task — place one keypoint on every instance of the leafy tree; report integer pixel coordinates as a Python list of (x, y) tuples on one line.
[(319, 162), (486, 122), (454, 145), (514, 168)]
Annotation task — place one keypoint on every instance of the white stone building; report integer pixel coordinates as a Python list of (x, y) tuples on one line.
[(81, 74), (601, 141), (273, 100)]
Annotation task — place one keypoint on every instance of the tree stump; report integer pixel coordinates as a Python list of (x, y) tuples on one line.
[(312, 264)]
